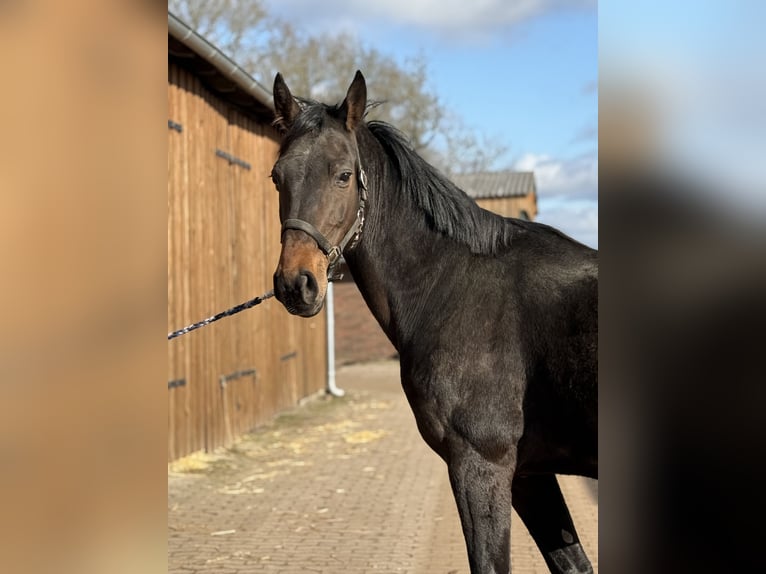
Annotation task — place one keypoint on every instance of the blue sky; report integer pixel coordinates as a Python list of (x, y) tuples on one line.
[(524, 73)]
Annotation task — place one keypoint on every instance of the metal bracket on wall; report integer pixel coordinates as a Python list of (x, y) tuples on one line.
[(176, 383), (225, 379), (175, 126), (232, 160)]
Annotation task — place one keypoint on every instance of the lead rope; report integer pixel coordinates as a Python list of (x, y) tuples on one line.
[(222, 314)]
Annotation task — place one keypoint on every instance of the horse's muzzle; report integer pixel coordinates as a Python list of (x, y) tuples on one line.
[(300, 280), (299, 292)]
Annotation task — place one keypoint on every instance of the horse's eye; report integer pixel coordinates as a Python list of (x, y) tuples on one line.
[(344, 177)]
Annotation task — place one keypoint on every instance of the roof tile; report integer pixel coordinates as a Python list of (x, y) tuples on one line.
[(507, 183)]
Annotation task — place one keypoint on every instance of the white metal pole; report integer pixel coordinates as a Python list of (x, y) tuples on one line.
[(330, 304)]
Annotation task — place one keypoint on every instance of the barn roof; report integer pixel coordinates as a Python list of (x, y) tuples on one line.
[(492, 184), (218, 72)]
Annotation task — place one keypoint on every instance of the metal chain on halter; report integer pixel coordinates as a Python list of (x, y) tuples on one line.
[(362, 205), (334, 255)]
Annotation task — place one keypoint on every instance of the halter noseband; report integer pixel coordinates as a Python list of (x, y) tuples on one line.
[(349, 241)]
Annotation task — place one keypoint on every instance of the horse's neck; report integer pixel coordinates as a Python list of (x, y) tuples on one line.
[(394, 265)]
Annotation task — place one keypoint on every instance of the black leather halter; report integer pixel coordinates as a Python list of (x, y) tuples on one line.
[(349, 241)]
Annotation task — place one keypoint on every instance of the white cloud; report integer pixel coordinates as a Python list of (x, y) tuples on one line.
[(576, 218), (567, 193), (575, 177), (454, 16)]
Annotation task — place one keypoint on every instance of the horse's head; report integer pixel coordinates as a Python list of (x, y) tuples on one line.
[(321, 188)]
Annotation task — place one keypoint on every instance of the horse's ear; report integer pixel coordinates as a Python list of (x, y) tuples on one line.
[(285, 106), (356, 102)]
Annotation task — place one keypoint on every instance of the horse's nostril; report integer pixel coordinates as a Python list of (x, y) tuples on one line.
[(296, 291), (307, 287)]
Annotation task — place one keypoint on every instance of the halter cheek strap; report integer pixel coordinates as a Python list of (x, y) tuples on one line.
[(350, 239)]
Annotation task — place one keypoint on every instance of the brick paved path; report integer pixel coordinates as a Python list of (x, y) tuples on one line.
[(336, 486)]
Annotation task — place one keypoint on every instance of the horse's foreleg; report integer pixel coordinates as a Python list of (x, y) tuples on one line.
[(482, 491), (540, 504)]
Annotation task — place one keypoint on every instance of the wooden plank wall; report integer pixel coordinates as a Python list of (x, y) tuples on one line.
[(223, 246)]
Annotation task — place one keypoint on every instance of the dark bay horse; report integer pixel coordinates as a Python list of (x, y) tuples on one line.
[(495, 319)]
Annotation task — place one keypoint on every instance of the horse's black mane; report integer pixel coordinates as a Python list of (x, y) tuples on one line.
[(447, 208)]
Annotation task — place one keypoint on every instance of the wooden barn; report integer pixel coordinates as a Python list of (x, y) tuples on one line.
[(358, 336), (509, 193), (223, 247)]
